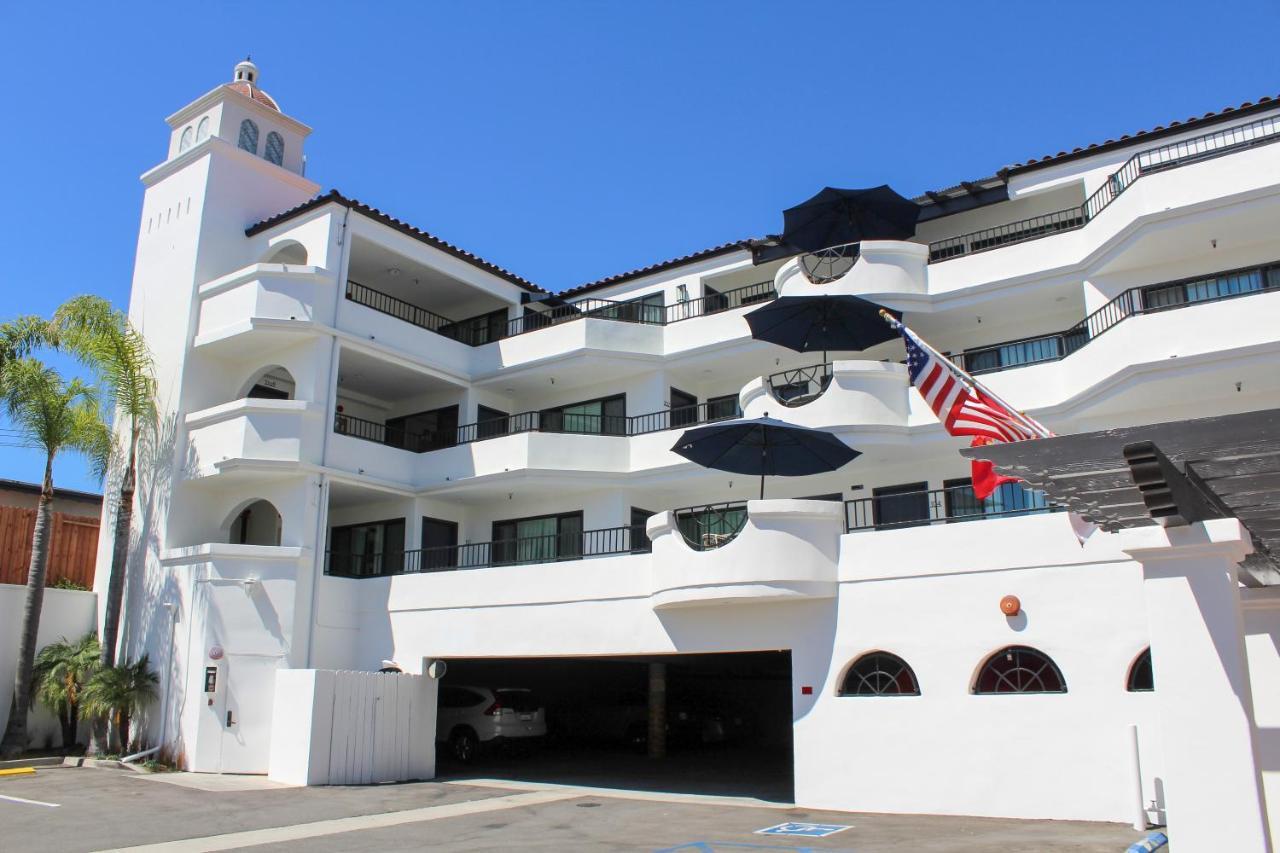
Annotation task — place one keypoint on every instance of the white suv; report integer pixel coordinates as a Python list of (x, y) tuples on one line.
[(470, 716)]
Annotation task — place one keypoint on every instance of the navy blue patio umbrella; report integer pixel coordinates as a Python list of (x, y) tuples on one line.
[(826, 322), (835, 217), (764, 446)]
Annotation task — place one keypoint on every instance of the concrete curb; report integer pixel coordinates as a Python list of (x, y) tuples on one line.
[(49, 761), (106, 763)]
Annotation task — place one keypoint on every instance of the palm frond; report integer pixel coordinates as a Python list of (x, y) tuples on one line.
[(102, 338)]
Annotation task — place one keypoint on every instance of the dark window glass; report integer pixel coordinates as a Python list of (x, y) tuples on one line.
[(640, 543), (722, 408), (1202, 290), (1019, 669), (1141, 678), (605, 416), (880, 674), (249, 136), (491, 422), (1008, 498), (900, 506), (368, 549), (439, 544), (275, 148), (424, 430), (539, 539), (684, 409), (711, 526)]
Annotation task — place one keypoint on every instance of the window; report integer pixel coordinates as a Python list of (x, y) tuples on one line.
[(605, 416), (640, 543), (900, 506), (275, 148), (1034, 351), (538, 540), (202, 130), (650, 308), (723, 408), (684, 409), (475, 331), (184, 142), (249, 136), (424, 430), (1007, 499), (491, 423), (1019, 669), (371, 548), (880, 674), (439, 544), (1141, 678), (1203, 290)]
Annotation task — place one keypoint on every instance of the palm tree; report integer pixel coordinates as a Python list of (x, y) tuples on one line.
[(119, 693), (61, 671), (104, 340), (54, 415)]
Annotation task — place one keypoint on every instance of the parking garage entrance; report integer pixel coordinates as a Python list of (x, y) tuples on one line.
[(718, 724)]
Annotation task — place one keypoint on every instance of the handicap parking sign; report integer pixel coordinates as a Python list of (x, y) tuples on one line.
[(807, 830)]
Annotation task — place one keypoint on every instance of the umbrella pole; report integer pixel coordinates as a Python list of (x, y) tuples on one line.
[(762, 487)]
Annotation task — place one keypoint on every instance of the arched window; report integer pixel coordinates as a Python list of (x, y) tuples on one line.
[(184, 141), (202, 130), (1019, 669), (880, 674), (275, 148), (249, 136), (256, 524), (1141, 678)]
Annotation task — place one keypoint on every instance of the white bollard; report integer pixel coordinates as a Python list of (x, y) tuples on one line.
[(1135, 780)]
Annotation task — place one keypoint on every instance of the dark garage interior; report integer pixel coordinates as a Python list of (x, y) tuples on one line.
[(727, 728)]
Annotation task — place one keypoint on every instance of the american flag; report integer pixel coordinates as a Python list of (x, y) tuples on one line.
[(963, 406)]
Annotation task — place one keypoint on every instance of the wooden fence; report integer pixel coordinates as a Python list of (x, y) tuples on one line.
[(74, 548)]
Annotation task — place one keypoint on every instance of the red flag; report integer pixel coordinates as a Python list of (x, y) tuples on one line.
[(984, 476)]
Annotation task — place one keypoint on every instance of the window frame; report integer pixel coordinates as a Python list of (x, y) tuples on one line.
[(1142, 661), (389, 561), (267, 151), (248, 126), (843, 691), (498, 557), (992, 658)]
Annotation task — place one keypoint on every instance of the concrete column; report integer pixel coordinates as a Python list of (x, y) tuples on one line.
[(657, 710), (1202, 690)]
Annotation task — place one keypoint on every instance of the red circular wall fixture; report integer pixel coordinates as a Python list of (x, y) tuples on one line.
[(1010, 605)]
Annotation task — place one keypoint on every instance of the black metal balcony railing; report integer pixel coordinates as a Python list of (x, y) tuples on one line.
[(1145, 162), (1147, 299), (544, 421), (712, 525), (941, 506), (557, 547), (477, 331), (802, 385)]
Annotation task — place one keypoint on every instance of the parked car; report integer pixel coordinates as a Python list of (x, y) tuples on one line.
[(469, 718)]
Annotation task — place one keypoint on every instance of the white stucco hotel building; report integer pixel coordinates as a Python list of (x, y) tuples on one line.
[(376, 445)]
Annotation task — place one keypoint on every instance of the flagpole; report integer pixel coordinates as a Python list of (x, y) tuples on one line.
[(1036, 427)]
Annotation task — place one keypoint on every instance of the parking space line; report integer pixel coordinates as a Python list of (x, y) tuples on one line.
[(281, 834), (25, 801)]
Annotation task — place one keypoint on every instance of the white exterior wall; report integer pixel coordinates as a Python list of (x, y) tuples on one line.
[(66, 613), (219, 309)]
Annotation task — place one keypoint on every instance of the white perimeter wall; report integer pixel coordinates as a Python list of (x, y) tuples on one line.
[(66, 613)]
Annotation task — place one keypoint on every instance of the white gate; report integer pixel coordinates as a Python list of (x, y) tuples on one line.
[(352, 728)]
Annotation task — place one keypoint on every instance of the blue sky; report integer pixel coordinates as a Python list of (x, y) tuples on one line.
[(571, 140)]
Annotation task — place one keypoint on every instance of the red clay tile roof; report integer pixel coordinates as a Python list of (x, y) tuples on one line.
[(249, 90), (1225, 114), (963, 188), (403, 227)]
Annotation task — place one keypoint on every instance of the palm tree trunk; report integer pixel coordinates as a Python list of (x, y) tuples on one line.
[(119, 554), (124, 734), (15, 732)]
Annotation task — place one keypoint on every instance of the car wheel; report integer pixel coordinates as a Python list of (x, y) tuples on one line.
[(463, 745)]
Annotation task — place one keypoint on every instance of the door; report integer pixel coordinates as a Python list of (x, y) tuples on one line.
[(684, 409), (439, 544), (249, 694)]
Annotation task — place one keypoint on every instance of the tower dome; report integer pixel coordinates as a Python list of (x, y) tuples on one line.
[(245, 82)]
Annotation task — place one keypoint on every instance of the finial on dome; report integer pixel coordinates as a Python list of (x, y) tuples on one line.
[(246, 72)]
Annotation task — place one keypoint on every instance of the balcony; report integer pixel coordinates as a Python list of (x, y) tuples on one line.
[(941, 506), (1135, 301), (775, 550), (253, 429), (530, 550), (1146, 162), (834, 394), (486, 329)]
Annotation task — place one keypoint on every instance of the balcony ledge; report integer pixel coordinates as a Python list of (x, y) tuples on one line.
[(248, 406), (210, 551), (787, 550), (253, 272)]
